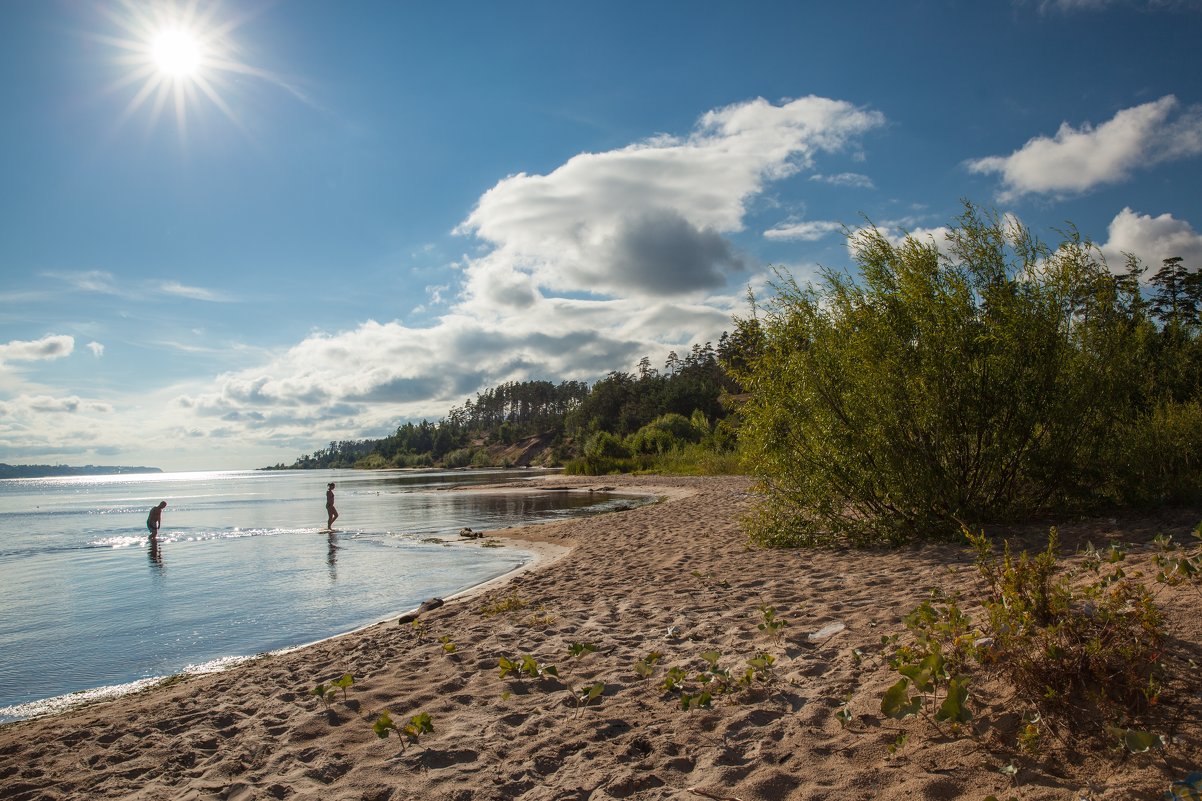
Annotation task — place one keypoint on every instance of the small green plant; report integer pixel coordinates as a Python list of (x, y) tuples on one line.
[(448, 647), (843, 713), (646, 666), (419, 629), (773, 626), (588, 694), (343, 683), (695, 700), (510, 603), (324, 694), (759, 668), (1179, 566), (713, 677), (541, 618), (579, 649), (328, 692), (526, 666), (418, 725), (674, 679), (1135, 741)]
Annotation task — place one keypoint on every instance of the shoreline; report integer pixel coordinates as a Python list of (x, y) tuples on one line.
[(677, 578), (531, 552), (539, 551)]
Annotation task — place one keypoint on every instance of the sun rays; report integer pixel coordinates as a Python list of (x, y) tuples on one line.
[(177, 55)]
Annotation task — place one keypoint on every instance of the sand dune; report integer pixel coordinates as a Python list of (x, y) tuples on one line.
[(674, 577)]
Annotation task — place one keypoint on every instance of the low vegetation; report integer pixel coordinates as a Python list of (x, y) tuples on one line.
[(1074, 660)]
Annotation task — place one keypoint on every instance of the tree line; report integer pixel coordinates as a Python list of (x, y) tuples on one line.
[(565, 415)]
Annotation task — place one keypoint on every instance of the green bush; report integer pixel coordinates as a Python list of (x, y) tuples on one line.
[(461, 457), (936, 389), (605, 445), (1158, 457)]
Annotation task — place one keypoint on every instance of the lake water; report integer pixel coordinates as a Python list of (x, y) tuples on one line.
[(241, 566)]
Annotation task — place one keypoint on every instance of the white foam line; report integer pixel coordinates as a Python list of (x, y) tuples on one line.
[(63, 703)]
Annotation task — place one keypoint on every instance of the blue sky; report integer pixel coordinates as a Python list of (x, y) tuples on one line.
[(331, 218)]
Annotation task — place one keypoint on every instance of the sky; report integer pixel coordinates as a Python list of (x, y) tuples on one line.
[(231, 233)]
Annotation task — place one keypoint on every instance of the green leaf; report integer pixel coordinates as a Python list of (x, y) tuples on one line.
[(346, 681), (383, 725), (1137, 742), (953, 707), (897, 704), (581, 648)]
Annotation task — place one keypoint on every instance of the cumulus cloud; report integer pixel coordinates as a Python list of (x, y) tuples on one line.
[(807, 231), (53, 346), (96, 348), (648, 220), (1076, 160), (1151, 239)]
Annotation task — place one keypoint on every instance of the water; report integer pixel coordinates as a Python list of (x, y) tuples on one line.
[(241, 566)]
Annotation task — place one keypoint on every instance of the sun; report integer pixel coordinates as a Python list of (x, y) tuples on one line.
[(177, 53)]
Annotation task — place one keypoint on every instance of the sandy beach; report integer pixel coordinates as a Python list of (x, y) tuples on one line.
[(674, 577)]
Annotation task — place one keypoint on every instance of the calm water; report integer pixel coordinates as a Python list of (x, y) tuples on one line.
[(241, 566)]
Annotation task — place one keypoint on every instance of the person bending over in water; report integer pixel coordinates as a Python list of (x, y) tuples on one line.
[(155, 518), (330, 510)]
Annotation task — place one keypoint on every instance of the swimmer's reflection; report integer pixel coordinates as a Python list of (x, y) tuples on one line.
[(155, 554), (332, 554)]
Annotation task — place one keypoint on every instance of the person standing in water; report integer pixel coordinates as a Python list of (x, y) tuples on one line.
[(155, 519), (330, 510)]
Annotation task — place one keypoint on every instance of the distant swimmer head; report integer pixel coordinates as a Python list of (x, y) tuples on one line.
[(330, 485), (162, 504)]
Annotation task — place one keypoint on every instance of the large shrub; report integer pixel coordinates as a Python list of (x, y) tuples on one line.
[(938, 387)]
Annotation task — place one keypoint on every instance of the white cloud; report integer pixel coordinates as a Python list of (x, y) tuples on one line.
[(852, 179), (1151, 239), (1078, 159), (51, 404), (96, 348), (807, 231), (87, 281), (53, 346), (192, 292), (648, 219)]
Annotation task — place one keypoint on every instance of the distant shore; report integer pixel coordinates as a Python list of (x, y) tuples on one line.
[(54, 471), (675, 578)]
